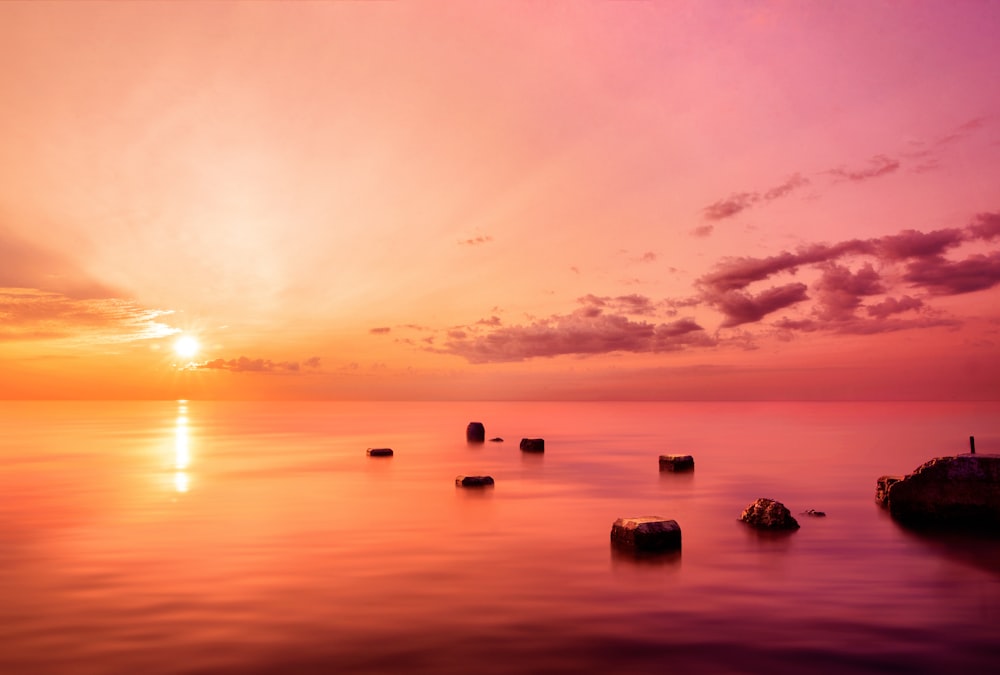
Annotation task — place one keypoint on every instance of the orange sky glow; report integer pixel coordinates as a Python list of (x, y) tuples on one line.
[(491, 200)]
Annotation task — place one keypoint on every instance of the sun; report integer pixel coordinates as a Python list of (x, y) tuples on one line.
[(186, 346)]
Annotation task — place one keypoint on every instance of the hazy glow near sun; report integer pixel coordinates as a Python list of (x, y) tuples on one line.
[(186, 346)]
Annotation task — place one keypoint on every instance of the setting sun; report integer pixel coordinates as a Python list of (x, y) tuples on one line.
[(186, 346)]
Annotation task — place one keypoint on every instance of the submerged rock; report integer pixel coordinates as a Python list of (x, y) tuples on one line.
[(474, 481), (814, 513), (496, 440), (961, 491), (767, 514), (533, 444), (379, 452), (647, 533), (676, 463), (475, 432)]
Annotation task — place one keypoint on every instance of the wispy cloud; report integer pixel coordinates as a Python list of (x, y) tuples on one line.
[(879, 165), (856, 286), (380, 330), (32, 314), (740, 201), (581, 333), (476, 241), (245, 364)]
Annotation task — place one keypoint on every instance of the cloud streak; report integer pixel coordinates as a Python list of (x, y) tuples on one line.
[(33, 314), (855, 288), (245, 364)]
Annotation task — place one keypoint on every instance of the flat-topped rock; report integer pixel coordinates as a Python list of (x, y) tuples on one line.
[(676, 463), (959, 491), (474, 481), (475, 432), (496, 440), (379, 452), (647, 533), (533, 444), (768, 514)]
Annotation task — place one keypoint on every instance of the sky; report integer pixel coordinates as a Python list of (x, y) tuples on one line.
[(494, 200)]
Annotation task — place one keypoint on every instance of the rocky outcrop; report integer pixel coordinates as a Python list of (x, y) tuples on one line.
[(647, 533), (882, 488), (676, 463), (379, 452), (767, 514), (474, 481), (961, 491), (475, 432)]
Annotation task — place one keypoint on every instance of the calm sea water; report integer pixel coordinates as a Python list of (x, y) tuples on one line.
[(203, 537)]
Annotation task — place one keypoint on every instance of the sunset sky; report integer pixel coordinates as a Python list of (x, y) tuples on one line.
[(493, 200)]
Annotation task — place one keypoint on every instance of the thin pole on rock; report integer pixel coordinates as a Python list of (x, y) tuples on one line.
[(972, 444)]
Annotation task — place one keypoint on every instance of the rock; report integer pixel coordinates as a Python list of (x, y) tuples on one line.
[(496, 440), (960, 491), (882, 488), (379, 452), (767, 514), (533, 444), (814, 513), (475, 432), (474, 481), (676, 463), (647, 533)]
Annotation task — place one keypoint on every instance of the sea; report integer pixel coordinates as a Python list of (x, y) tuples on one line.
[(200, 537)]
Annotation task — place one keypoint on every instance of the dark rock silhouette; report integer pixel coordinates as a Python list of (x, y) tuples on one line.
[(496, 440), (379, 452), (533, 444), (676, 463), (814, 513), (882, 488), (647, 533), (474, 481), (768, 514), (475, 432), (962, 491)]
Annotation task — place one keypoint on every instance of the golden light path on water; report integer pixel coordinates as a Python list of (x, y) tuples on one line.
[(182, 449)]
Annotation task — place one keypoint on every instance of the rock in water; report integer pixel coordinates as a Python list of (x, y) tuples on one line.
[(961, 491), (647, 533), (475, 432), (767, 514), (474, 481), (379, 452), (882, 488), (676, 463), (533, 444), (496, 440)]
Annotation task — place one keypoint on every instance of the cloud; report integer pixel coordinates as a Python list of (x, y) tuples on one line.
[(244, 364), (33, 314), (795, 181), (381, 330), (914, 244), (946, 277), (986, 227), (740, 307), (622, 304), (647, 257), (702, 231), (891, 306), (581, 333), (740, 201), (879, 165), (840, 290), (730, 206), (475, 241)]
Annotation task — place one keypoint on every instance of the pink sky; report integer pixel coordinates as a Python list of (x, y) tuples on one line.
[(485, 200)]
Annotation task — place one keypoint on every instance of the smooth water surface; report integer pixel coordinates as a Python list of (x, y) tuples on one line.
[(204, 537)]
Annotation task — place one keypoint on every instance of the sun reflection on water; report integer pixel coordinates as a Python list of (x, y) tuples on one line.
[(182, 449)]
